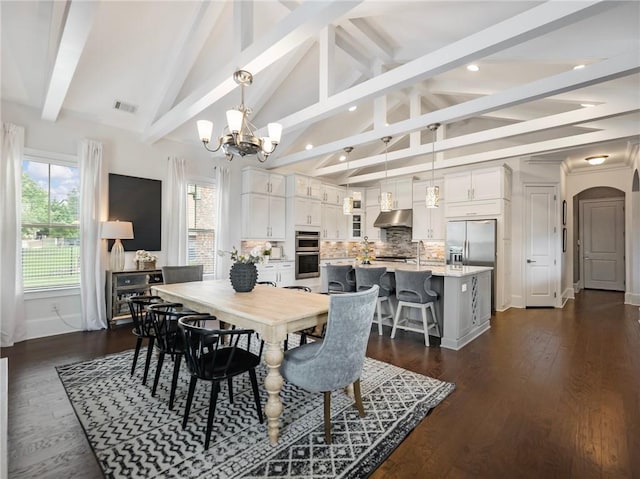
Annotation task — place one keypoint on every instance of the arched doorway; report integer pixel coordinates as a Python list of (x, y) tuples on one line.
[(599, 252)]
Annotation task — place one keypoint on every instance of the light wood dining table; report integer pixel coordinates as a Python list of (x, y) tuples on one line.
[(271, 312)]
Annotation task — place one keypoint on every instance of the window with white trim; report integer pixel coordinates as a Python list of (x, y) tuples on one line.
[(50, 223), (201, 221)]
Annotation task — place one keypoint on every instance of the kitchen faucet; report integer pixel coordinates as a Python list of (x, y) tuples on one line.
[(418, 252)]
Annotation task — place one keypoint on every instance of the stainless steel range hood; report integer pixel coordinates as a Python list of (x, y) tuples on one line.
[(389, 219)]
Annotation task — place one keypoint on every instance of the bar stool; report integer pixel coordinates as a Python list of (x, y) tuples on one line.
[(413, 290), (366, 278), (340, 278)]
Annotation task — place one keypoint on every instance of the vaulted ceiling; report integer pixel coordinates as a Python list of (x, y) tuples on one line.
[(403, 65)]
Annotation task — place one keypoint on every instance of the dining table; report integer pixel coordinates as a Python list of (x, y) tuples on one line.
[(271, 312)]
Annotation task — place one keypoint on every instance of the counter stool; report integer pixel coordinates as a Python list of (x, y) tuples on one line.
[(340, 278), (366, 278), (413, 290)]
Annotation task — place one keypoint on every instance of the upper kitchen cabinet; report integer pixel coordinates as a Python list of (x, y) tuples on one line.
[(304, 187), (255, 180), (332, 194), (334, 223), (428, 223), (263, 205), (477, 185), (402, 192), (479, 192)]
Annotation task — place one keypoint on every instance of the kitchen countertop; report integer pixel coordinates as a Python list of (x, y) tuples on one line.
[(437, 269)]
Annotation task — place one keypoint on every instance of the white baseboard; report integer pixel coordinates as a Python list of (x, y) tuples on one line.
[(51, 326), (632, 299), (577, 287), (517, 301)]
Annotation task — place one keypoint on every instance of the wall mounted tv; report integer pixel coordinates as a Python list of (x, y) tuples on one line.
[(138, 200)]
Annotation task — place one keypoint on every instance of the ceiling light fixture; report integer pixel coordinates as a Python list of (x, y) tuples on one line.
[(386, 198), (433, 191), (342, 157), (240, 139), (578, 67), (353, 108), (473, 68), (308, 146), (347, 202), (596, 160), (587, 105)]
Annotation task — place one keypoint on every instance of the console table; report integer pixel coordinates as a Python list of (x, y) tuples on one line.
[(121, 285)]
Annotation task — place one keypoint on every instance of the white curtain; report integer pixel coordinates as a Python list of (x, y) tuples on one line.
[(176, 218), (91, 260), (12, 317), (223, 184)]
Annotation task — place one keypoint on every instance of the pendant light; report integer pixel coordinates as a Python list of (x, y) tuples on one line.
[(386, 198), (347, 203), (433, 191)]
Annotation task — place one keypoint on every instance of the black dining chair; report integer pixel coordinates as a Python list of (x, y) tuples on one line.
[(142, 328), (216, 355), (168, 340)]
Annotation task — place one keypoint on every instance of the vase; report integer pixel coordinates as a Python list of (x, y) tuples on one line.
[(243, 277), (265, 259)]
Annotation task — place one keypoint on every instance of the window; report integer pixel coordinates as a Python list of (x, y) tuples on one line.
[(201, 212), (50, 224)]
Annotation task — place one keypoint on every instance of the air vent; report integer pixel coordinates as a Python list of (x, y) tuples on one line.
[(128, 107)]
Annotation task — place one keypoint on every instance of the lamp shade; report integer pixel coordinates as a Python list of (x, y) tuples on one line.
[(275, 132), (205, 129), (234, 120), (117, 230)]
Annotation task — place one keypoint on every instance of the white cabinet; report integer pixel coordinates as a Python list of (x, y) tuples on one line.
[(401, 191), (428, 223), (478, 185), (304, 186), (263, 217), (332, 194), (372, 197), (306, 212), (371, 213), (281, 273), (255, 180), (356, 225), (334, 223)]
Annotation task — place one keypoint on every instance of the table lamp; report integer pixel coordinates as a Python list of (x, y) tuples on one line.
[(117, 230)]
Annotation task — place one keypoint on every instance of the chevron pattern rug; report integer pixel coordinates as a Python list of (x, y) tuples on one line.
[(135, 435)]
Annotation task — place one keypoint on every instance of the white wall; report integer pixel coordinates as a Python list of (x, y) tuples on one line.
[(632, 295), (123, 153)]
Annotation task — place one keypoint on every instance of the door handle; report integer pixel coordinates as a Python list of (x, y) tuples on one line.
[(586, 257), (530, 261)]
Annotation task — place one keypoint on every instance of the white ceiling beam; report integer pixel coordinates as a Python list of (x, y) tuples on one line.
[(380, 108), (361, 31), (415, 110), (184, 54), (351, 48), (530, 149), (301, 24), (242, 25), (74, 38), (534, 22), (326, 70), (596, 73), (565, 119), (58, 14)]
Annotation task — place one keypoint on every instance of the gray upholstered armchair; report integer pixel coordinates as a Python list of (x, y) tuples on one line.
[(337, 361), (340, 278), (181, 274)]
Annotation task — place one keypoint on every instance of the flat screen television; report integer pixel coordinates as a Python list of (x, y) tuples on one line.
[(138, 200)]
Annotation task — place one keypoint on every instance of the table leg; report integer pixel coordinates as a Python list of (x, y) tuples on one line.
[(273, 384)]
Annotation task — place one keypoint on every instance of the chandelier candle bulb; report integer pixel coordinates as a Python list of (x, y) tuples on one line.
[(205, 129), (234, 120)]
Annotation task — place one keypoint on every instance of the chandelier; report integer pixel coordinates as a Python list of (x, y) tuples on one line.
[(386, 198), (347, 202), (238, 137), (433, 192)]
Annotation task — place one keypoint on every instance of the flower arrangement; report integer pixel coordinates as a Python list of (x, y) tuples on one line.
[(145, 256), (266, 251), (365, 254), (253, 257)]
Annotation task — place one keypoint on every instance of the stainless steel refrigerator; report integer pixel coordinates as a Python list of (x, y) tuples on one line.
[(473, 243)]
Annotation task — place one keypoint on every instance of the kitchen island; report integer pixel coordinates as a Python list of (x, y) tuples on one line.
[(464, 306)]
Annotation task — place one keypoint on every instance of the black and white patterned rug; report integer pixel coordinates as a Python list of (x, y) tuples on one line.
[(135, 435)]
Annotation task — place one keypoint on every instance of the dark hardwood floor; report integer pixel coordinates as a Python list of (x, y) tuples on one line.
[(545, 393)]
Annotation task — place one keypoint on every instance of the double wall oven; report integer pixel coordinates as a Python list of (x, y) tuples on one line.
[(307, 254)]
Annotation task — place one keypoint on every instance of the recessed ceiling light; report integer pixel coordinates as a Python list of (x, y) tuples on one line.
[(587, 105), (597, 160), (308, 147), (353, 107), (578, 67), (386, 123), (473, 67), (342, 157)]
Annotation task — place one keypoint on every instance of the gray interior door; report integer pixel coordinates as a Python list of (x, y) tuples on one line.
[(603, 243)]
